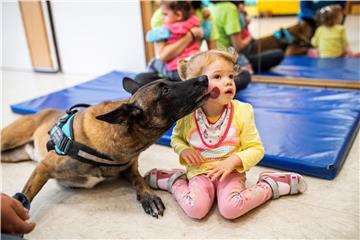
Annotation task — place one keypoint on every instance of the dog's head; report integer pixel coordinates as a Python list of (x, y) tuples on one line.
[(303, 33), (158, 104)]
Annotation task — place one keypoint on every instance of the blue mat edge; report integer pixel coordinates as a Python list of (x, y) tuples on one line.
[(16, 109), (297, 61)]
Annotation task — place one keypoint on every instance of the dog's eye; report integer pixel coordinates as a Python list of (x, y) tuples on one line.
[(165, 91)]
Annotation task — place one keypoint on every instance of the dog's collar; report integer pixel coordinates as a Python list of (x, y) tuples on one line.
[(63, 142), (285, 38), (284, 34)]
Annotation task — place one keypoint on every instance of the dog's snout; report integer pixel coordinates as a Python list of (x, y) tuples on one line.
[(202, 81)]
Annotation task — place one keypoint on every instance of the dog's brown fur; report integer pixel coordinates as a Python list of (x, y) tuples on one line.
[(121, 130), (302, 32)]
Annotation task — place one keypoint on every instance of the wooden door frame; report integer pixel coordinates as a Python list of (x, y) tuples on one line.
[(146, 14), (39, 35)]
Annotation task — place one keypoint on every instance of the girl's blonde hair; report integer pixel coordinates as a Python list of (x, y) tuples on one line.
[(195, 65), (328, 15)]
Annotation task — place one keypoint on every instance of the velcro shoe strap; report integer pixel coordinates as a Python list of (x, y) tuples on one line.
[(274, 186), (173, 178), (293, 184), (153, 179)]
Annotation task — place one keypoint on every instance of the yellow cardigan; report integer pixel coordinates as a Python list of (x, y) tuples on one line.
[(242, 131)]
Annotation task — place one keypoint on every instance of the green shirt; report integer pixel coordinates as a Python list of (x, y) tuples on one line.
[(156, 21), (226, 19), (331, 41)]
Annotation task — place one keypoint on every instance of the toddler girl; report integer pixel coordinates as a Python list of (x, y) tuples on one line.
[(330, 38), (218, 143), (178, 21)]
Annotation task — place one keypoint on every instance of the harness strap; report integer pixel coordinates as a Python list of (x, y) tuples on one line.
[(62, 141), (284, 37), (79, 105)]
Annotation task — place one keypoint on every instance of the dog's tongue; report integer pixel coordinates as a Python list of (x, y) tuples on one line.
[(215, 92)]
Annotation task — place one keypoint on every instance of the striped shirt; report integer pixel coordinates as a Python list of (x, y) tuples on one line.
[(241, 137)]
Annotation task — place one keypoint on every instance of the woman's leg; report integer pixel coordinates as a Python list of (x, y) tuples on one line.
[(159, 67), (234, 199), (172, 75), (242, 80), (155, 65), (195, 196), (264, 61)]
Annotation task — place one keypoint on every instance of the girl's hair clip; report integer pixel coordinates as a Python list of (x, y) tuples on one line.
[(325, 9)]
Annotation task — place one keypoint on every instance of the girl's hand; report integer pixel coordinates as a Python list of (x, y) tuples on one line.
[(348, 52), (198, 32), (313, 52), (191, 157), (224, 168)]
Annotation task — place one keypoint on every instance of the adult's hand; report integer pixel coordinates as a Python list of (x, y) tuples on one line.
[(14, 217), (198, 32)]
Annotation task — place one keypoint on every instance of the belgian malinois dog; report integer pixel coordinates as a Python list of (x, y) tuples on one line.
[(302, 33), (120, 130)]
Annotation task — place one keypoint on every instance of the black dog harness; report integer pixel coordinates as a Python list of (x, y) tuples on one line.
[(63, 142), (285, 38)]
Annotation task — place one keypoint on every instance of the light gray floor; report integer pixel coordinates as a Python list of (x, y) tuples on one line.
[(328, 210)]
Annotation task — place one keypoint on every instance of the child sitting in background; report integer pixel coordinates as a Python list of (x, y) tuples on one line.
[(202, 13), (218, 144), (179, 21), (244, 19), (330, 38), (245, 33)]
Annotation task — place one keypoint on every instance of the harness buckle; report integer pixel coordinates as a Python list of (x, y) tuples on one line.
[(61, 141), (64, 144)]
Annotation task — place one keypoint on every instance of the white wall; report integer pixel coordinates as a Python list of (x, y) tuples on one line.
[(99, 36), (15, 53)]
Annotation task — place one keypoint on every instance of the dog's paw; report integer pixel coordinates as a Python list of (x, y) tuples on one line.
[(152, 204)]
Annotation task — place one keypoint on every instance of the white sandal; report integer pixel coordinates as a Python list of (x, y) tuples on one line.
[(296, 181), (152, 177)]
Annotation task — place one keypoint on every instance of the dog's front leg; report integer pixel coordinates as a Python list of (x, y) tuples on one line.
[(151, 203), (38, 178)]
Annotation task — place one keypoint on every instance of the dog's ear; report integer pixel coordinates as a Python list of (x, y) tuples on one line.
[(125, 114), (130, 85)]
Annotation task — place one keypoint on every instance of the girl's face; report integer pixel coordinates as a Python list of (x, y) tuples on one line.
[(170, 16), (221, 75)]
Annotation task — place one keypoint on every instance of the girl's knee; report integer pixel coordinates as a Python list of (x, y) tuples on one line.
[(198, 211), (230, 212), (231, 209)]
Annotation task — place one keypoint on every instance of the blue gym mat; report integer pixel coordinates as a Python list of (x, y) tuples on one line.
[(307, 130), (339, 69), (107, 87)]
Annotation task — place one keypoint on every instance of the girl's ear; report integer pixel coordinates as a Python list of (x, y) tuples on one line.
[(182, 69), (179, 15)]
